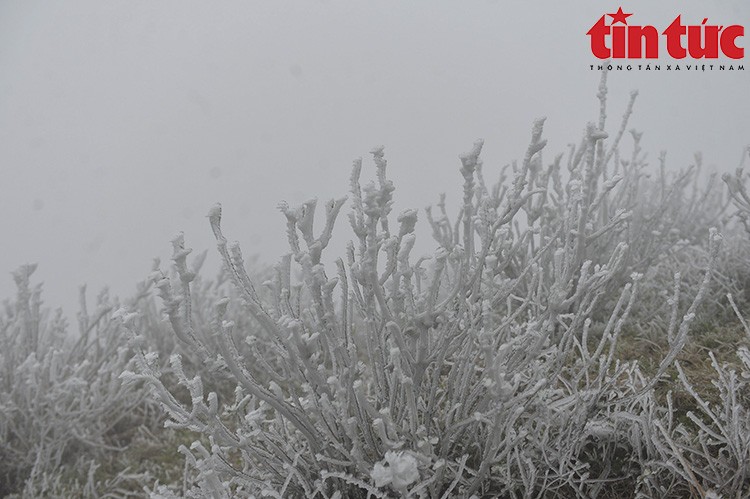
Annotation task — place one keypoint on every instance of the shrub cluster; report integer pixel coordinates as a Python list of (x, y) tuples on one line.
[(490, 369), (549, 347), (63, 407)]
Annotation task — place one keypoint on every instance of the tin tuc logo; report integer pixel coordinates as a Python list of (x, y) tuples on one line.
[(620, 40)]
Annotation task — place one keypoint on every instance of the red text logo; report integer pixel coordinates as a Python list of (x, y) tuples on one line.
[(620, 40)]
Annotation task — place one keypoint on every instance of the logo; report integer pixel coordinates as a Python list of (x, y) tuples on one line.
[(620, 40)]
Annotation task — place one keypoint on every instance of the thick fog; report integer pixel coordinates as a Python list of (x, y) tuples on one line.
[(123, 122)]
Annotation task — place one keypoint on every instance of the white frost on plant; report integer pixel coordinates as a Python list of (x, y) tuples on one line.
[(398, 469), (123, 314)]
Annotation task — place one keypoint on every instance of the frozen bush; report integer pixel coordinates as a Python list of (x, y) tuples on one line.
[(488, 369), (62, 404), (739, 194)]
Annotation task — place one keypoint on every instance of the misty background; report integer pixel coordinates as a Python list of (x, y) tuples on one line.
[(123, 122)]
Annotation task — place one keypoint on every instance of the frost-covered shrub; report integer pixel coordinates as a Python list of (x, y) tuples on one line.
[(739, 194), (488, 369), (705, 452), (62, 404)]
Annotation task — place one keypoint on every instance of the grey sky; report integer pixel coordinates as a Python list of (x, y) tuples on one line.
[(122, 122)]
